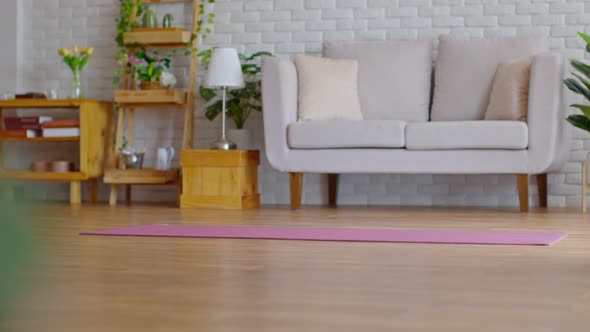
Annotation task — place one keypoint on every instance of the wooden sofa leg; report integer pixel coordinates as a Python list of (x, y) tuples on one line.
[(542, 188), (332, 190), (584, 186), (522, 182), (296, 184)]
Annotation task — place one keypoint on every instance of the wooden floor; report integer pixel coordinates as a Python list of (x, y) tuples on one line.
[(155, 284)]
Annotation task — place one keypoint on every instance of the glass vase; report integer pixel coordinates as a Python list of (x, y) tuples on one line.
[(76, 90)]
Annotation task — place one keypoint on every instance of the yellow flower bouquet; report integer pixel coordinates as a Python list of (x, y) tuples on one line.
[(76, 59)]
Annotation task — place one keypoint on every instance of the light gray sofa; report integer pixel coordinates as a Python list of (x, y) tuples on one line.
[(412, 126)]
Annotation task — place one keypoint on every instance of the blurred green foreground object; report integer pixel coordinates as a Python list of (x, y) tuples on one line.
[(15, 253)]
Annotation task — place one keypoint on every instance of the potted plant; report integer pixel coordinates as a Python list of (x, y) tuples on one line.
[(241, 103), (130, 11), (152, 71), (581, 85)]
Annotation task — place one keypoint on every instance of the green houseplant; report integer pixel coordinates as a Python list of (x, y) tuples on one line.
[(241, 103), (581, 85), (130, 9), (149, 69)]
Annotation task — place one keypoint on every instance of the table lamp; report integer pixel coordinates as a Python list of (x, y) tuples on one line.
[(225, 71)]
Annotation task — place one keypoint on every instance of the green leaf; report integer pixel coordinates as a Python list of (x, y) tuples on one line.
[(207, 94), (576, 87), (585, 37), (214, 110), (84, 61), (581, 67), (258, 54), (579, 121), (586, 83), (150, 70), (584, 108), (156, 74)]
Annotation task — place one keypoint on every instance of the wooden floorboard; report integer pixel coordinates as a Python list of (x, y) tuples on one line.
[(83, 283)]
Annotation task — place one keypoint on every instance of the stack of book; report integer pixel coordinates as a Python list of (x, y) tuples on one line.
[(24, 127), (39, 126), (61, 128)]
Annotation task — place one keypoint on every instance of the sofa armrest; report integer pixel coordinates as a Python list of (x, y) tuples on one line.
[(279, 99), (548, 131)]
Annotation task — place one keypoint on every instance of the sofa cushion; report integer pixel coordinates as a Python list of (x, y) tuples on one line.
[(465, 70), (464, 135), (327, 89), (346, 134), (510, 92), (394, 77)]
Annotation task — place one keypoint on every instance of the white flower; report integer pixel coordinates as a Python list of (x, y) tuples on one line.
[(167, 79)]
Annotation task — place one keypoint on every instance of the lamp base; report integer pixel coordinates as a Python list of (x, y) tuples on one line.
[(224, 144)]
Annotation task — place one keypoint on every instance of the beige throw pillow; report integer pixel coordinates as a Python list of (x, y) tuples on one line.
[(510, 92), (328, 89)]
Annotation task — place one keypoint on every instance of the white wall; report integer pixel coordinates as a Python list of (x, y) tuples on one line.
[(287, 27), (10, 39)]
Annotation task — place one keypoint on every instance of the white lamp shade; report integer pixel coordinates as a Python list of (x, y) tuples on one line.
[(225, 69)]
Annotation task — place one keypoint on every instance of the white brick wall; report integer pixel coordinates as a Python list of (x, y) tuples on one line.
[(287, 27)]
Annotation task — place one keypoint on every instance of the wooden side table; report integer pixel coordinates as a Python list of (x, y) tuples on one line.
[(220, 179), (96, 123)]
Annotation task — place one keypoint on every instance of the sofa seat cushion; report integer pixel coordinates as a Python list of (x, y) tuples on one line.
[(466, 135), (341, 134)]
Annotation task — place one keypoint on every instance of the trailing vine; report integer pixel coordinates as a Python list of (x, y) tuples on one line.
[(126, 23), (210, 18)]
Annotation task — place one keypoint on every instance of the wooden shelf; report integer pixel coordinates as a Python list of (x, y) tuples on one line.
[(41, 176), (41, 139), (96, 128), (48, 103), (141, 176), (129, 100), (158, 37), (151, 98)]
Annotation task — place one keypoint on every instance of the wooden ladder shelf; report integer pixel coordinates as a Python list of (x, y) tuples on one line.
[(130, 100)]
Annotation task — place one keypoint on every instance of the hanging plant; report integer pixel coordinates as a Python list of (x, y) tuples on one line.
[(209, 19), (126, 23)]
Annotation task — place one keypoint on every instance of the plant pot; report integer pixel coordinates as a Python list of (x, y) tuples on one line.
[(150, 19), (242, 137), (62, 166), (151, 85), (168, 21), (134, 160)]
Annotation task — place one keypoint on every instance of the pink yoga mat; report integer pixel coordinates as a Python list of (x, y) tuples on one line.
[(338, 234)]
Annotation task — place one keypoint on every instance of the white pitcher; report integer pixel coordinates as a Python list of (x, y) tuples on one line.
[(164, 158)]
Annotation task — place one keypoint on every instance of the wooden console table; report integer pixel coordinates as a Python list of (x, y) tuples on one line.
[(96, 125)]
